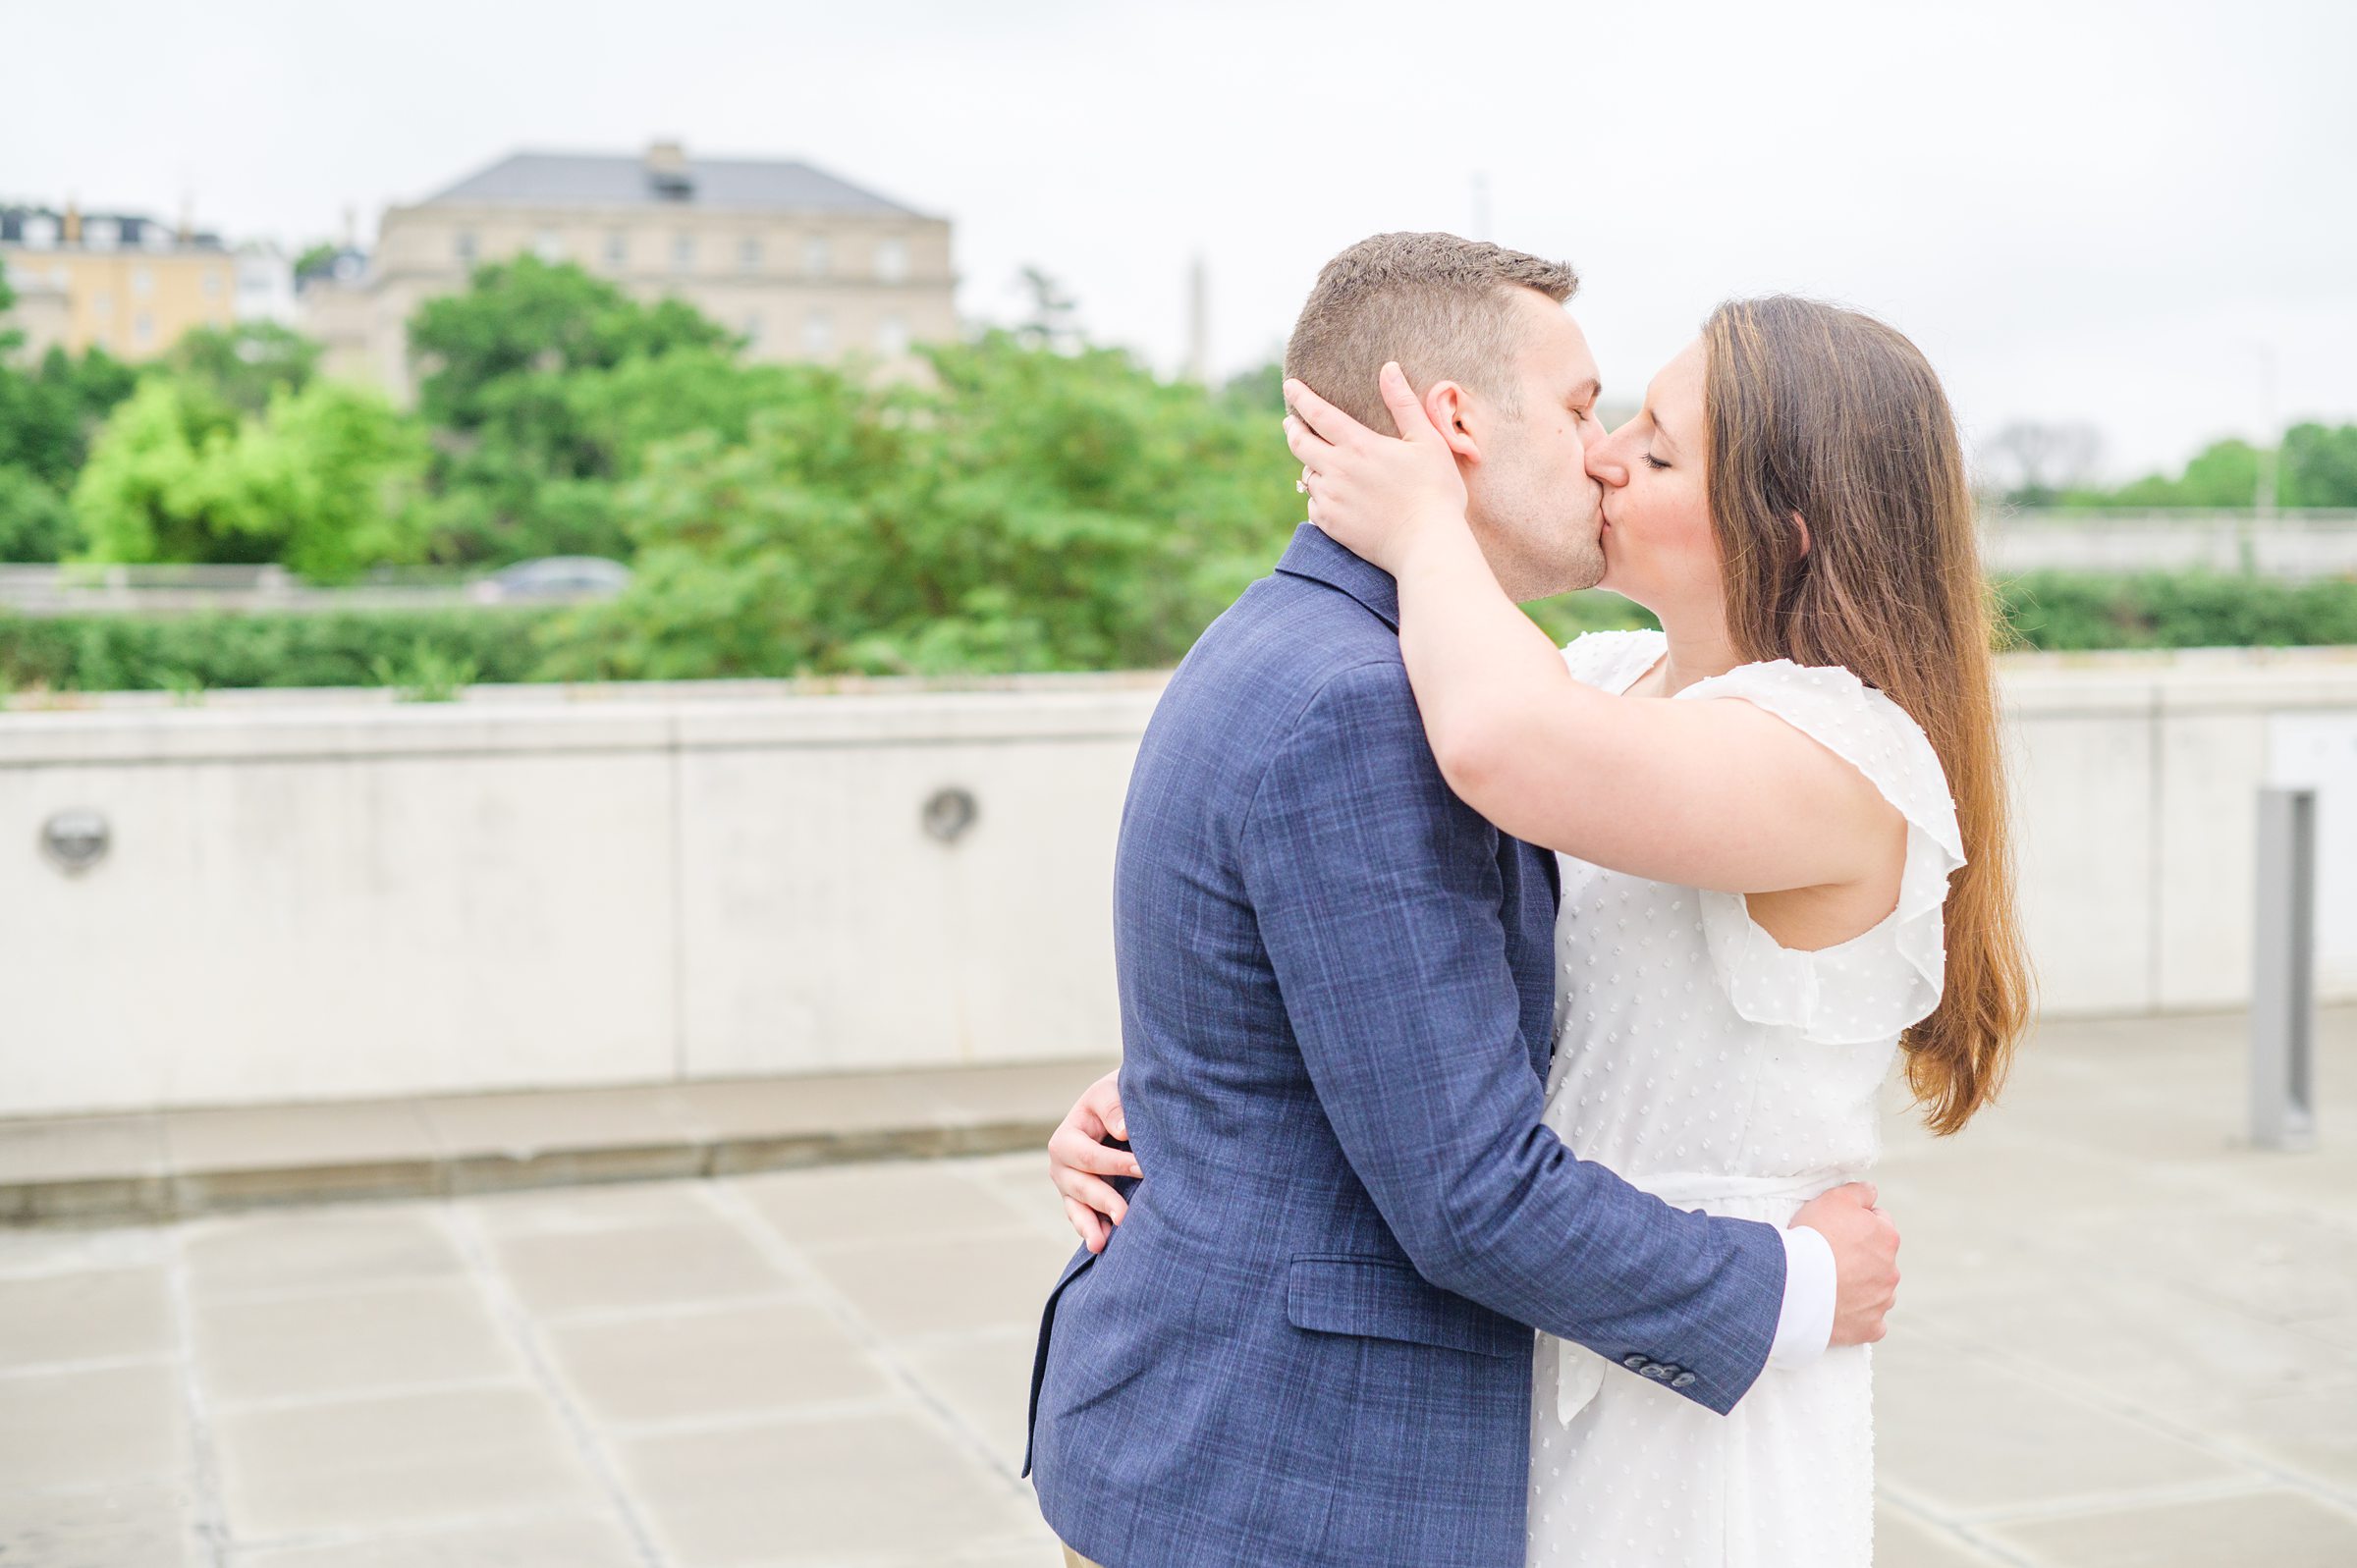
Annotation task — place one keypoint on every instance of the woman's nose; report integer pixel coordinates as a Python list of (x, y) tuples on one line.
[(1604, 463)]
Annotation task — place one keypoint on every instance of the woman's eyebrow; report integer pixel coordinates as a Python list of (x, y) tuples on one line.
[(1657, 426)]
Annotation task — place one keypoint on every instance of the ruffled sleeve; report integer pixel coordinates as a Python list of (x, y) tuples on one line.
[(1875, 985), (1610, 660)]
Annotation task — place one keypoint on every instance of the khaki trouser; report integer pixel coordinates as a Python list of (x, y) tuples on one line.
[(1072, 1559)]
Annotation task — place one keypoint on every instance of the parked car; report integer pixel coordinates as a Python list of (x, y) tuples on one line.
[(552, 577)]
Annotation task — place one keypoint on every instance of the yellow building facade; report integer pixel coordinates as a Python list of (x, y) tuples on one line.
[(119, 282)]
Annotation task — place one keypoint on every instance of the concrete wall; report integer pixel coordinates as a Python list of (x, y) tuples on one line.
[(316, 895), (2292, 545), (2136, 778)]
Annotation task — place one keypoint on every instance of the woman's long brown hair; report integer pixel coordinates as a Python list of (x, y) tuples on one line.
[(1829, 415)]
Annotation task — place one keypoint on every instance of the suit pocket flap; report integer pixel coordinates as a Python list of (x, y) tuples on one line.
[(1386, 1300)]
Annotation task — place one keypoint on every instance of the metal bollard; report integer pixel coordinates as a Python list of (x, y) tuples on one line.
[(2284, 973)]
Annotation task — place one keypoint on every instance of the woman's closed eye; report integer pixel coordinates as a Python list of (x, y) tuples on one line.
[(1651, 461)]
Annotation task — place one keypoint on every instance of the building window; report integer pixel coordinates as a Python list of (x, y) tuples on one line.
[(752, 330), (155, 236), (40, 234), (818, 334), (142, 328), (683, 252), (142, 282), (618, 249), (892, 260), (892, 336), (100, 234), (818, 255), (466, 248), (212, 285), (748, 253), (102, 304), (549, 246)]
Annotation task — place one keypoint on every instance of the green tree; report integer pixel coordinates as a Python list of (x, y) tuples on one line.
[(325, 481), (246, 364), (2223, 474), (526, 315), (143, 496), (46, 416), (2320, 465), (544, 476), (521, 377), (334, 473), (36, 523), (10, 337), (1261, 388), (1027, 510)]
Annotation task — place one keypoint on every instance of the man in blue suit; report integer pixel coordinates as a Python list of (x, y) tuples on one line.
[(1309, 1341)]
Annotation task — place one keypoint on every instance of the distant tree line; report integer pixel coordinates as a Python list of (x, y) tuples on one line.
[(2039, 464)]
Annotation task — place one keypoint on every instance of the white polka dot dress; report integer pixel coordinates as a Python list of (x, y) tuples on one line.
[(1705, 1062)]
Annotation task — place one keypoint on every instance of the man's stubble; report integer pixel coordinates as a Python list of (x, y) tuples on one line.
[(1536, 547)]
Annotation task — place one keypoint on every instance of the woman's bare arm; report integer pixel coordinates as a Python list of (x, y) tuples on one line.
[(1708, 793)]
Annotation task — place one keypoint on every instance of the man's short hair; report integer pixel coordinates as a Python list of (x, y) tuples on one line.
[(1440, 305)]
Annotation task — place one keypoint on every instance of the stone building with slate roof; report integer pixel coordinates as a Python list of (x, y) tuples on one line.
[(806, 265)]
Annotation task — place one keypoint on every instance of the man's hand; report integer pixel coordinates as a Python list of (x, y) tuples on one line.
[(1865, 1247), (1076, 1148)]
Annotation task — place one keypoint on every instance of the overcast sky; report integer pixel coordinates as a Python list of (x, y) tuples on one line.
[(2115, 214)]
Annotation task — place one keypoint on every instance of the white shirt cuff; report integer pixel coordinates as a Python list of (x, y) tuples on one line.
[(1805, 1325)]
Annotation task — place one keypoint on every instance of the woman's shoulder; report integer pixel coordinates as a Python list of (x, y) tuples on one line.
[(1830, 688), (1890, 977), (1611, 660), (1856, 722)]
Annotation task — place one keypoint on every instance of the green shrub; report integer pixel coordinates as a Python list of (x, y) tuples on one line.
[(2171, 610), (436, 652), (430, 676), (159, 653)]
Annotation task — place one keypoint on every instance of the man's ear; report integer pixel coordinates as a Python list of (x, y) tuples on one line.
[(1802, 523), (1453, 411)]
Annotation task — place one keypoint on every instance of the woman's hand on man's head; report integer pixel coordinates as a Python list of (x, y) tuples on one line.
[(1375, 494)]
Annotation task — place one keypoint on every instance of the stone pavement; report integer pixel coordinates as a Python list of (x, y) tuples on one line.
[(2123, 1339)]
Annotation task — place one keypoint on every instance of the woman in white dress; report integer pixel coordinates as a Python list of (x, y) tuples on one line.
[(1765, 901)]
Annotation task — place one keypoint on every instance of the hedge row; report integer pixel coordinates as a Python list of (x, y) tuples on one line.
[(429, 649), (336, 648), (2178, 609), (2067, 610)]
